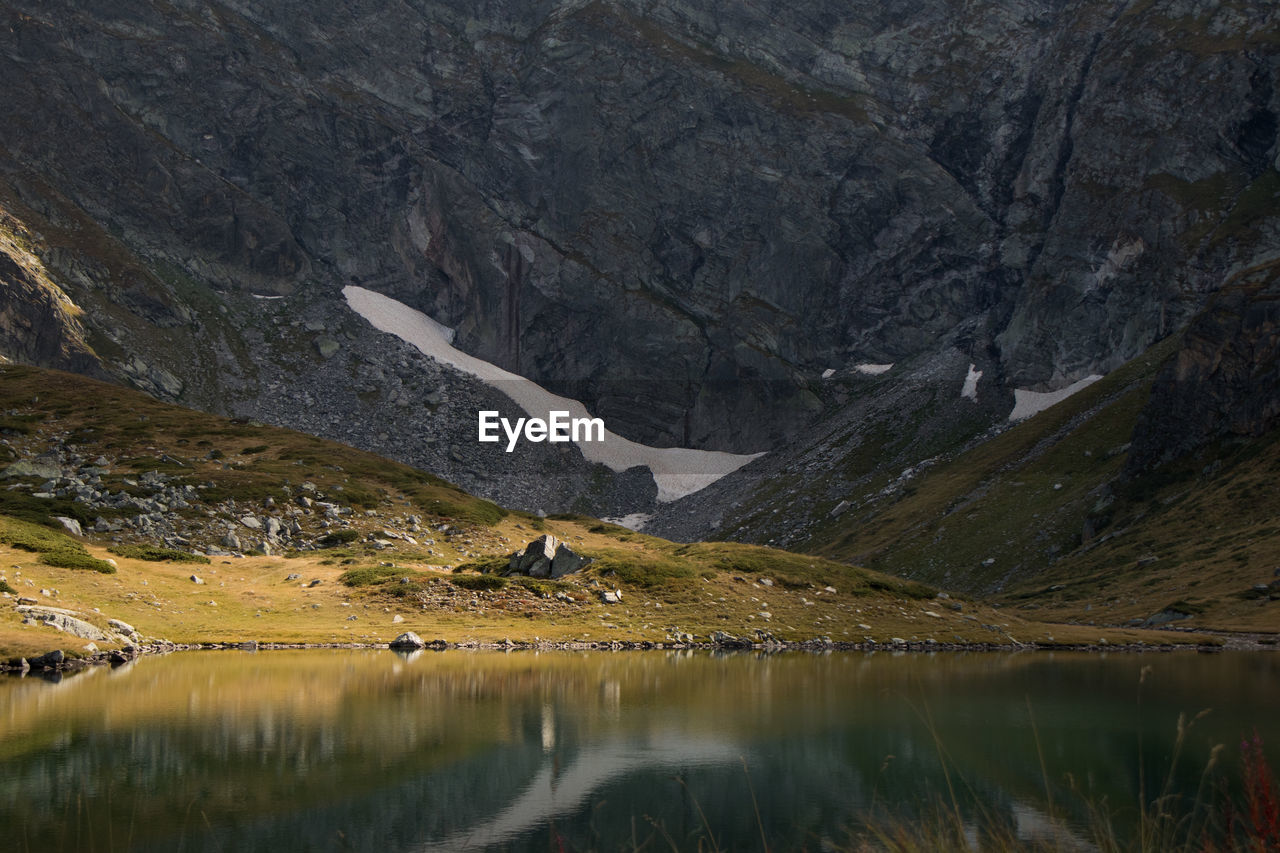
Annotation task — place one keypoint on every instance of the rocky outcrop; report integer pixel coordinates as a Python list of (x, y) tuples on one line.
[(67, 621), (1224, 381), (39, 324), (546, 557)]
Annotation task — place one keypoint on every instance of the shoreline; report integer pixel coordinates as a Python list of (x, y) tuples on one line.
[(57, 662)]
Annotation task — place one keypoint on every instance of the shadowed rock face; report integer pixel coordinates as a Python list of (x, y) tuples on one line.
[(679, 212), (1225, 380)]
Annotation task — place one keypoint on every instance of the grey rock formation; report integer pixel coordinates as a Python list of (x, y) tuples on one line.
[(66, 621), (47, 659), (41, 467), (70, 525), (546, 557), (408, 640), (680, 212), (1224, 382)]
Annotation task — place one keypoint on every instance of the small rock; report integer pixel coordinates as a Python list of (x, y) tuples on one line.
[(196, 580), (397, 619)]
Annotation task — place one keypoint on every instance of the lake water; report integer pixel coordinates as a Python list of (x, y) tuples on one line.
[(361, 750)]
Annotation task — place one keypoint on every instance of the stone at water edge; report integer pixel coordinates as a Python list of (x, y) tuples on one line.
[(408, 640), (52, 658), (726, 640)]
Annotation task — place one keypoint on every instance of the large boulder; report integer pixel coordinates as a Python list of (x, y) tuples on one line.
[(44, 467), (66, 621), (546, 557), (408, 640)]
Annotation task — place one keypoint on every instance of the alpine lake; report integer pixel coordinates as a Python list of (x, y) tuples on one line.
[(460, 750)]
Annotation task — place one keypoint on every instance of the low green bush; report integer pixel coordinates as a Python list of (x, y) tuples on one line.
[(479, 582), (338, 537), (156, 554), (369, 575), (66, 558)]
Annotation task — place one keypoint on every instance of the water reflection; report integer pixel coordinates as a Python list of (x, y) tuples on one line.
[(466, 750)]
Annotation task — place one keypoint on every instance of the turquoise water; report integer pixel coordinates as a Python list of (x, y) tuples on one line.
[(360, 750)]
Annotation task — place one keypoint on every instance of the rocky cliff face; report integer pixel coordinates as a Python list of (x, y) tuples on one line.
[(682, 213), (1224, 381)]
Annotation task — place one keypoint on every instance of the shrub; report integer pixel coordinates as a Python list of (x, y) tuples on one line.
[(338, 537), (488, 566), (156, 554), (539, 585), (67, 558), (369, 575), (479, 582)]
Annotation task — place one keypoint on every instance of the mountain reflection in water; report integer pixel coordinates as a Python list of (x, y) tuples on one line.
[(319, 750)]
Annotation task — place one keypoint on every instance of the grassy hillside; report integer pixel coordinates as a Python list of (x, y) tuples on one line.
[(369, 548), (1040, 518)]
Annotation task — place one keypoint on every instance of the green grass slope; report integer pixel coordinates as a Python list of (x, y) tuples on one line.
[(1040, 517)]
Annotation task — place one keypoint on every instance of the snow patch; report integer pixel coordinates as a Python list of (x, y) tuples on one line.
[(677, 471), (636, 521), (828, 373), (260, 296), (873, 369), (970, 389), (1027, 403)]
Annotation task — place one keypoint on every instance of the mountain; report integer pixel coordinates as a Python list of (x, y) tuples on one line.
[(854, 238)]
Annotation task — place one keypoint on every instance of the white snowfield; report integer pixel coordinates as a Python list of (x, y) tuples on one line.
[(873, 369), (1027, 403), (970, 387), (677, 471)]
